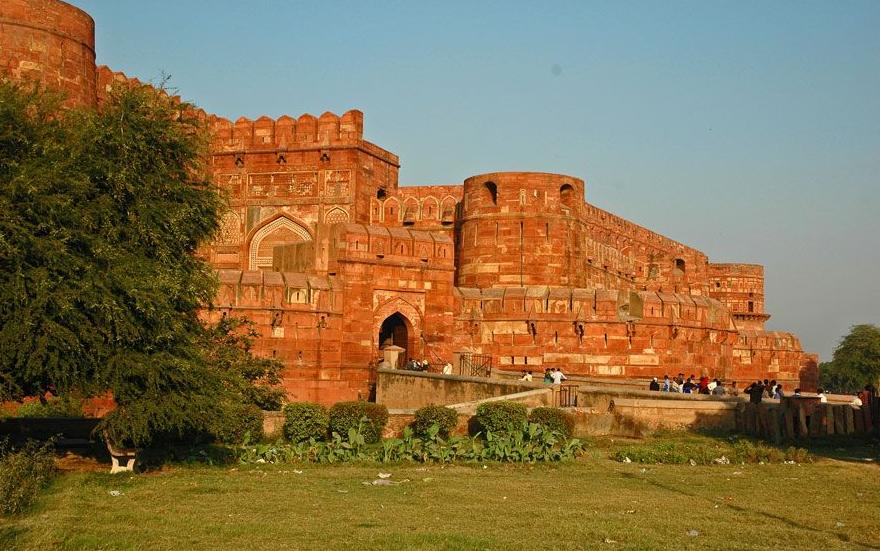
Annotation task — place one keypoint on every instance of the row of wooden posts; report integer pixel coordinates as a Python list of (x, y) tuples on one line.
[(798, 417)]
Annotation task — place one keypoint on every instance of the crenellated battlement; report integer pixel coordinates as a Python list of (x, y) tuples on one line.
[(583, 305), (287, 132), (263, 289), (382, 245)]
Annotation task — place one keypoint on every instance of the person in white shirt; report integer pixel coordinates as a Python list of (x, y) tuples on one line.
[(822, 398), (856, 402), (557, 376), (526, 376)]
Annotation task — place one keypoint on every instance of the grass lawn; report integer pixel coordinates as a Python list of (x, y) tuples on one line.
[(591, 503)]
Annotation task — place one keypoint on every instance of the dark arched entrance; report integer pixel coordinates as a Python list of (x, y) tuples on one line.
[(394, 331)]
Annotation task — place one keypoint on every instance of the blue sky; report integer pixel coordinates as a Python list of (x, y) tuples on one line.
[(749, 130)]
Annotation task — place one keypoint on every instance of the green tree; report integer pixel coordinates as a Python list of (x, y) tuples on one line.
[(856, 360), (100, 286)]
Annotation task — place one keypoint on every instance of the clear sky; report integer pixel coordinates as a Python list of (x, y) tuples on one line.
[(749, 130)]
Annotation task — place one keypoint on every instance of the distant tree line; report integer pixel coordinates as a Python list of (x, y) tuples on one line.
[(856, 361)]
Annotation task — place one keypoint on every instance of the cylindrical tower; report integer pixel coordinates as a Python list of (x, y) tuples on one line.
[(50, 42), (520, 229)]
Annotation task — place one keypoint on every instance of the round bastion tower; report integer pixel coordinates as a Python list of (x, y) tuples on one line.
[(520, 229), (50, 42)]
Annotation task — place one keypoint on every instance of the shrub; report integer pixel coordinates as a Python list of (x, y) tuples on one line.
[(553, 419), (348, 415), (501, 416), (305, 420), (54, 407), (23, 473), (445, 418), (238, 421)]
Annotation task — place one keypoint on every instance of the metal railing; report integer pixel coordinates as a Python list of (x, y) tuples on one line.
[(565, 396), (475, 365)]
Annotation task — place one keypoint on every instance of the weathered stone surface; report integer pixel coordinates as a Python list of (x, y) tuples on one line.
[(324, 251)]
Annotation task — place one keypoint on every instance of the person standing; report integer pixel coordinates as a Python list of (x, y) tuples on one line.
[(557, 376)]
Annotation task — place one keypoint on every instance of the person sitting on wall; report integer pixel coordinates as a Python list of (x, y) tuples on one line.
[(425, 365), (704, 385), (822, 398), (797, 392), (548, 378), (755, 392), (719, 389), (733, 391), (447, 368), (867, 395), (526, 376), (557, 376), (771, 389), (667, 384), (856, 402), (675, 387), (712, 384), (655, 386), (779, 394), (689, 386)]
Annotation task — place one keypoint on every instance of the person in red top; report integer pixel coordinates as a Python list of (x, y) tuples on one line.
[(704, 385)]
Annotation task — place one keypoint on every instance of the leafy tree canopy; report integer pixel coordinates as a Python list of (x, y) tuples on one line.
[(100, 286), (856, 360)]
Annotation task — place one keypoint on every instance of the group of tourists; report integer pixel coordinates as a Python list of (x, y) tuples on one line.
[(692, 385), (552, 376)]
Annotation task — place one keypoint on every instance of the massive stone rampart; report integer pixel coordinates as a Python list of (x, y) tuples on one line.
[(51, 43)]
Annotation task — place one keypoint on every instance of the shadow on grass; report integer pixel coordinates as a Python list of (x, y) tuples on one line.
[(754, 511)]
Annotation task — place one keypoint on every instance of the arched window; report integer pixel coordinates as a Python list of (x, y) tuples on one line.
[(679, 265), (492, 192), (567, 195)]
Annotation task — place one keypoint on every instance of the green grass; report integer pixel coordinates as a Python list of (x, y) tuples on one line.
[(826, 504)]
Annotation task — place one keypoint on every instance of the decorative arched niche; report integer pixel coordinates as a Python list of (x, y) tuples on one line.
[(280, 231)]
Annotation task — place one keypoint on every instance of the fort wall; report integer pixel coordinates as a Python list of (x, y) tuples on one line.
[(333, 260), (51, 43)]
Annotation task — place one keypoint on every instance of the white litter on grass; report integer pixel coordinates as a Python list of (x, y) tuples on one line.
[(627, 460), (383, 482), (297, 471), (692, 462), (116, 493), (384, 475), (609, 540), (839, 524), (693, 533), (721, 460)]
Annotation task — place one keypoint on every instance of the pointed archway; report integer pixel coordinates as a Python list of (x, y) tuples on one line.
[(395, 331)]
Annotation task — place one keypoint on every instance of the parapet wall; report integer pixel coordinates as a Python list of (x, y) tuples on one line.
[(288, 132), (52, 43)]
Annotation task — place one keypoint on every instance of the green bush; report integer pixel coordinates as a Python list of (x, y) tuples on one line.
[(501, 416), (23, 473), (553, 419), (305, 420), (445, 418), (54, 407), (348, 415), (238, 421)]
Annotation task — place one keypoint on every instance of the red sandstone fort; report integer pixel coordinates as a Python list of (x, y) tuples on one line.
[(333, 259)]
